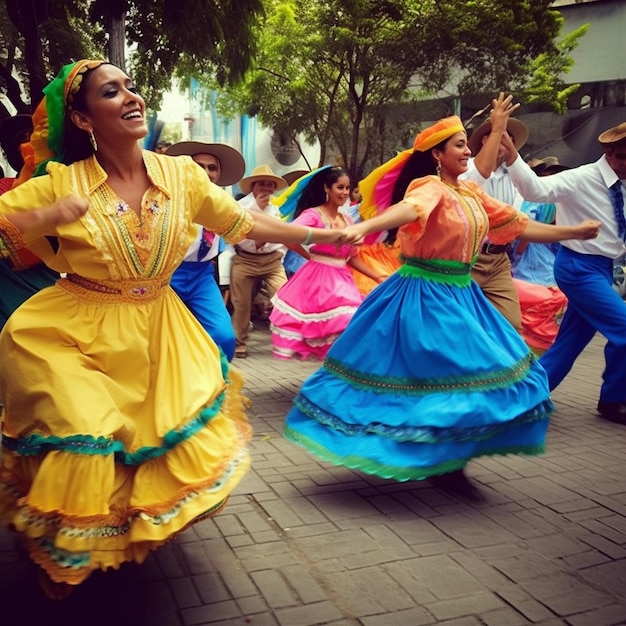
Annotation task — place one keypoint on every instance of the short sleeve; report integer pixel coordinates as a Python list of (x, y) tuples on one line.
[(505, 222), (424, 195), (310, 218), (215, 209)]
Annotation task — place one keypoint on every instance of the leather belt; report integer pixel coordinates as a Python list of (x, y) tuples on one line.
[(239, 250), (492, 248)]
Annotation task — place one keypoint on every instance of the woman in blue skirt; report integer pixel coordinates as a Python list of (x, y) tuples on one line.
[(428, 375)]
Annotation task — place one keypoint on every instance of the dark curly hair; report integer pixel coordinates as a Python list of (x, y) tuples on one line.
[(313, 194)]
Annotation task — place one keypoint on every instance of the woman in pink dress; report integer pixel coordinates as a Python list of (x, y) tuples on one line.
[(314, 307)]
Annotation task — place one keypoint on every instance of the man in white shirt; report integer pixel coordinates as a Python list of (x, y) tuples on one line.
[(195, 279), (584, 269), (492, 270), (255, 261)]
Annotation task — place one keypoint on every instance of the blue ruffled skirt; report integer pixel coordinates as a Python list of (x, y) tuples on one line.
[(426, 376)]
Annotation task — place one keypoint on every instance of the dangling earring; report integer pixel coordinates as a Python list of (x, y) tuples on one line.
[(92, 140), (438, 169)]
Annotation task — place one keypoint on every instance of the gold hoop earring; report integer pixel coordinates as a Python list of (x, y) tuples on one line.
[(92, 140)]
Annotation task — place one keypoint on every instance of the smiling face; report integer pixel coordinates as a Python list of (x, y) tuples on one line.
[(453, 158), (114, 111), (339, 191)]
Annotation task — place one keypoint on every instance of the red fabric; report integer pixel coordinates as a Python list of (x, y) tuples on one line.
[(542, 309)]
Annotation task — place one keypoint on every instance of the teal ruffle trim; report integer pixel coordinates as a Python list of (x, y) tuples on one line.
[(420, 434), (34, 445)]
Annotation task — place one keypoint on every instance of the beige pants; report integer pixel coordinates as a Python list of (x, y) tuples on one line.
[(492, 273), (247, 271)]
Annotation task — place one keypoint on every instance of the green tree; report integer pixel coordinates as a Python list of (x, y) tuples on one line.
[(36, 38), (546, 86), (164, 37), (332, 70)]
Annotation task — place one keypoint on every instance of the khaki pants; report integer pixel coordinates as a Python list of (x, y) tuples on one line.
[(492, 273), (247, 271)]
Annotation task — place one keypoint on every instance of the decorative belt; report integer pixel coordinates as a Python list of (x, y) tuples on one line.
[(327, 259), (124, 290), (492, 248), (239, 250)]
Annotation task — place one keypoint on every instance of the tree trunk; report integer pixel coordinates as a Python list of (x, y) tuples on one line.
[(117, 41), (25, 17)]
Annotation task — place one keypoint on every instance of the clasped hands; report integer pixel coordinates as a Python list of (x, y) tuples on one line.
[(350, 235)]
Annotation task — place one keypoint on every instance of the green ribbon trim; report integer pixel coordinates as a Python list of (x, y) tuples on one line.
[(420, 386), (439, 270), (401, 474)]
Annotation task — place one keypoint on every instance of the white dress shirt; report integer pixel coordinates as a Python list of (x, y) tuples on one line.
[(249, 245), (580, 194), (499, 185)]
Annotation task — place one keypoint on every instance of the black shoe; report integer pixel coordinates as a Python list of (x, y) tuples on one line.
[(456, 481), (613, 411)]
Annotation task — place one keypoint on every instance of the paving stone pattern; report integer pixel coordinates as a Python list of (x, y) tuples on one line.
[(303, 542)]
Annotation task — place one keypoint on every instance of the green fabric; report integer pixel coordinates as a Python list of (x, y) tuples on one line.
[(55, 111)]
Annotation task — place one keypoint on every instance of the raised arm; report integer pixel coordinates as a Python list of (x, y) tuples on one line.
[(486, 161)]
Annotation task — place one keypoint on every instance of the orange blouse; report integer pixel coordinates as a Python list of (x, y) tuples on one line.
[(453, 222)]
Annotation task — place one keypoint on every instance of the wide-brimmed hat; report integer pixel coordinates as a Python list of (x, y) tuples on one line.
[(262, 172), (613, 135), (15, 131), (518, 129), (232, 163), (547, 165), (291, 177)]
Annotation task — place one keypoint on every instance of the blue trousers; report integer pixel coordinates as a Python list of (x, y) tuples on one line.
[(196, 286), (593, 306)]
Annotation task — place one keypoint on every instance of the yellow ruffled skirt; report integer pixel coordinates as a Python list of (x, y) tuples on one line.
[(122, 425)]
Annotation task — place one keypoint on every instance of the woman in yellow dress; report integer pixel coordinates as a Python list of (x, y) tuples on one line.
[(121, 424)]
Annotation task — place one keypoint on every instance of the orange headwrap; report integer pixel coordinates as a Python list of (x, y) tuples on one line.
[(438, 132), (377, 187)]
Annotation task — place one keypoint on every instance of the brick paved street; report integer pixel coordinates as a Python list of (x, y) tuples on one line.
[(303, 542)]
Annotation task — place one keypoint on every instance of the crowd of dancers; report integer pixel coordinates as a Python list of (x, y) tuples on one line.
[(116, 373)]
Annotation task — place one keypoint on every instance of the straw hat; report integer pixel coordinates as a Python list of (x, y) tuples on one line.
[(15, 131), (232, 163), (613, 135), (262, 172), (518, 129), (547, 165)]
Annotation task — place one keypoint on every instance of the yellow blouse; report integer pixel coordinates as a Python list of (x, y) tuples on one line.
[(111, 242)]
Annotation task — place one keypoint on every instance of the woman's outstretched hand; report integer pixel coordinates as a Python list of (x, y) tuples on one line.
[(587, 229), (354, 234)]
